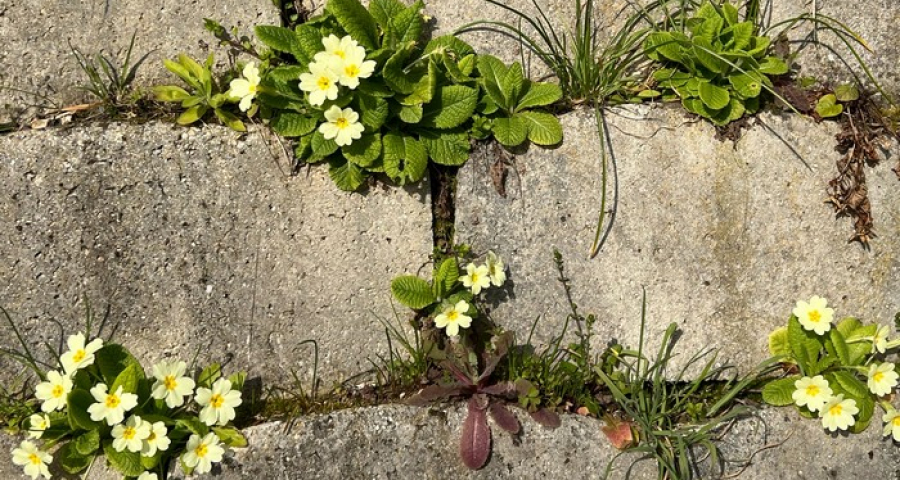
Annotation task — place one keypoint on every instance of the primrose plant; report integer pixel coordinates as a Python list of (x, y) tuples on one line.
[(100, 402), (837, 373), (449, 302)]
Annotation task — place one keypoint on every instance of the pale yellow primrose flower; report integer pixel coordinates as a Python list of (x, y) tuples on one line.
[(879, 341), (131, 434), (891, 420), (476, 278), (337, 48), (495, 269), (453, 318), (79, 354), (882, 378), (34, 460), (354, 67), (53, 392), (157, 440), (110, 406), (218, 404), (171, 384), (343, 126), (815, 315), (37, 424), (201, 453), (147, 476), (321, 82), (813, 392), (245, 88), (838, 413)]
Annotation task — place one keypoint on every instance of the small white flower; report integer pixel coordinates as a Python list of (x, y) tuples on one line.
[(131, 434), (342, 125), (79, 354), (453, 318), (813, 392), (245, 88), (201, 453), (815, 315), (147, 476), (157, 440), (337, 48), (218, 404), (34, 460), (54, 392), (495, 269), (891, 420), (882, 378), (37, 424), (354, 67), (838, 413), (110, 406), (171, 384), (321, 82), (476, 278), (879, 341)]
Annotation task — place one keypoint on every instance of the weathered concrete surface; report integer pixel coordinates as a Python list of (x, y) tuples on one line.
[(400, 442), (36, 55), (725, 238), (195, 239)]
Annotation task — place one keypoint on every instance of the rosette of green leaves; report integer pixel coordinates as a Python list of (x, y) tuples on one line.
[(834, 355), (82, 438), (431, 298), (509, 103), (718, 68), (203, 95)]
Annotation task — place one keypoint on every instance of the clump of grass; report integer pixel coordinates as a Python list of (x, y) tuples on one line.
[(407, 363), (110, 80)]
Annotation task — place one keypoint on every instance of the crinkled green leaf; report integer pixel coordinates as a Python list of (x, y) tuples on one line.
[(192, 114), (543, 128), (779, 392), (706, 53), (289, 124), (805, 346), (71, 460), (322, 148), (773, 66), (410, 113), (286, 73), (230, 436), (846, 92), (837, 346), (449, 43), (397, 77), (451, 107), (424, 89), (356, 21), (448, 148), (745, 84), (493, 71), (384, 10), (86, 443), (661, 46), (170, 93), (510, 131), (77, 405), (129, 379), (209, 375), (778, 343), (713, 96), (230, 120), (539, 94), (126, 462), (405, 158), (741, 34), (446, 277), (346, 175), (827, 106), (412, 291), (277, 38), (513, 83), (373, 111), (112, 359), (364, 150), (408, 24), (849, 384), (308, 43)]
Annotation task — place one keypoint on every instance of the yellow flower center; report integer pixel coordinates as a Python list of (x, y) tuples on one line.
[(128, 433), (835, 410), (351, 71), (201, 450), (815, 316), (474, 277), (34, 459), (896, 422), (452, 316), (341, 123), (112, 401), (152, 436), (79, 355), (170, 382), (324, 83), (253, 88), (216, 401), (340, 53), (812, 390), (58, 391), (877, 377)]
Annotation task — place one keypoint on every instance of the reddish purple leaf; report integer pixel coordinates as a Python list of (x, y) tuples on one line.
[(504, 418), (432, 393), (546, 418), (618, 432), (475, 443), (502, 389)]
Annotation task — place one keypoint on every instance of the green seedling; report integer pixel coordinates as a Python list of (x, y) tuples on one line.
[(202, 96)]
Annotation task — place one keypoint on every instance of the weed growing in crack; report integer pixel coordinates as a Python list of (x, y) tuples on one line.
[(110, 79)]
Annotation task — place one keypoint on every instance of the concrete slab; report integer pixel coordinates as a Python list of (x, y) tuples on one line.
[(36, 55), (724, 237), (196, 240)]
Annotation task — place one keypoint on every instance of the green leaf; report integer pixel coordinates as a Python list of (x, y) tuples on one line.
[(778, 343), (513, 83), (384, 10), (364, 150), (408, 24), (86, 443), (706, 53), (805, 346), (71, 460), (424, 89), (127, 463), (405, 158), (741, 34), (193, 425), (412, 291), (543, 128), (746, 85), (410, 113), (450, 149), (277, 38), (838, 346), (866, 406), (192, 114), (356, 21), (445, 277), (170, 93), (346, 175), (289, 124), (713, 96), (373, 111), (397, 77), (237, 380), (77, 404), (846, 92), (773, 66), (322, 148), (209, 375), (493, 71), (450, 43), (230, 120), (779, 392), (452, 106), (286, 73), (308, 43), (661, 46), (849, 384), (827, 106), (112, 359), (129, 379), (230, 436), (150, 463), (510, 131)]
